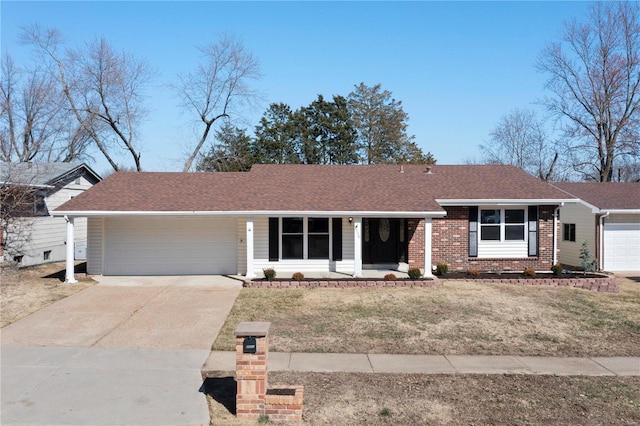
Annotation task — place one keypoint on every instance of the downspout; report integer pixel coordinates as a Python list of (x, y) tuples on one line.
[(70, 266), (555, 233), (601, 242)]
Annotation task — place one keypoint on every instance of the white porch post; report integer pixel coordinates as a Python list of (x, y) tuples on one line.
[(427, 247), (249, 239), (357, 247), (70, 276)]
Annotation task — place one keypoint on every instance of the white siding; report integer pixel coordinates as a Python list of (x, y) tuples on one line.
[(50, 233), (285, 268), (170, 246), (585, 222), (95, 245), (503, 249), (242, 246)]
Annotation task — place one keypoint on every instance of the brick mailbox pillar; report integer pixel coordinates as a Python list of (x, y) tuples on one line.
[(253, 397), (251, 368)]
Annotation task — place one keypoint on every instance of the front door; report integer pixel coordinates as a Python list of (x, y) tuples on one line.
[(384, 241)]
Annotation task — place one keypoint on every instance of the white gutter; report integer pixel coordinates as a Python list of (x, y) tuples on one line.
[(619, 211), (243, 213), (555, 234), (601, 242), (505, 202)]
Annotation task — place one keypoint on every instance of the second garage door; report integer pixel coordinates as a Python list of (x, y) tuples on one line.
[(622, 246), (170, 246)]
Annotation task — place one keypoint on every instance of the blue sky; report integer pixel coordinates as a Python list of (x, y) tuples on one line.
[(457, 67)]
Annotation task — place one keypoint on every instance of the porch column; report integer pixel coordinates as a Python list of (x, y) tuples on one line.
[(357, 247), (249, 239), (427, 247), (70, 276)]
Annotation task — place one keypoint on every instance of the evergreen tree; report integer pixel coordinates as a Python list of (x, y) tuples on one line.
[(232, 153), (326, 131), (276, 141), (381, 125)]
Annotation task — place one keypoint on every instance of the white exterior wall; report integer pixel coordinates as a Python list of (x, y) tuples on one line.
[(585, 222), (95, 245), (242, 246), (285, 268), (50, 233)]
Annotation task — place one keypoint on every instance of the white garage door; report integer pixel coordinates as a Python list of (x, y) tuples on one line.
[(622, 247), (169, 246)]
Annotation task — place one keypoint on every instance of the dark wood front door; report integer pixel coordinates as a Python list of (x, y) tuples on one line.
[(384, 241)]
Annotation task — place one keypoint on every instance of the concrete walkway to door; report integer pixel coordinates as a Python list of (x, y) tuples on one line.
[(125, 351)]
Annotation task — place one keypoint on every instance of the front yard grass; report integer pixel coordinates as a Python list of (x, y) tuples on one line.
[(27, 290), (414, 399), (456, 318)]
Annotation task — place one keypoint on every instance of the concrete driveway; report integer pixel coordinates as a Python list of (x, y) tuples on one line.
[(125, 351)]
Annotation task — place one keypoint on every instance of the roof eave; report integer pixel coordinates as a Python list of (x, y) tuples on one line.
[(504, 201), (249, 213), (619, 211)]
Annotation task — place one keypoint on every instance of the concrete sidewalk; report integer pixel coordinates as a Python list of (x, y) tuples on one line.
[(434, 364)]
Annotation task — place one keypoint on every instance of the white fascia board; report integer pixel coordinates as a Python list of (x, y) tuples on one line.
[(30, 185), (505, 202), (619, 211), (244, 213)]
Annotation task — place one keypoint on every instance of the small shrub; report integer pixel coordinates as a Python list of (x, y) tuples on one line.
[(390, 277), (269, 273), (298, 276), (473, 272), (263, 419), (442, 268), (588, 263), (529, 272), (414, 273), (557, 269), (385, 412)]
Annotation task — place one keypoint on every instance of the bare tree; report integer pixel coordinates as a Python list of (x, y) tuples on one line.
[(520, 139), (34, 124), (19, 201), (595, 80), (218, 85), (104, 90)]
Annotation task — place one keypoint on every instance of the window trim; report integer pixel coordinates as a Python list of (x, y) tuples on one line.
[(502, 224), (305, 238), (566, 236)]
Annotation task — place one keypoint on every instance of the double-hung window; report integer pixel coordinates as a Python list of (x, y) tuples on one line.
[(502, 224), (569, 232), (318, 237), (292, 238)]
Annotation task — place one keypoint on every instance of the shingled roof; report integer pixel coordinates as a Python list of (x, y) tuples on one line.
[(311, 188), (41, 174), (605, 195)]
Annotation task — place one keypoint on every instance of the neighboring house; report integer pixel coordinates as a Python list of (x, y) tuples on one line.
[(608, 219), (30, 191), (319, 218)]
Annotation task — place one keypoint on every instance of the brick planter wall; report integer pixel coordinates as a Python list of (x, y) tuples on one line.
[(341, 283), (284, 408), (601, 284)]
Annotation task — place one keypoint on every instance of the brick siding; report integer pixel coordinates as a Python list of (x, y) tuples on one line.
[(450, 243)]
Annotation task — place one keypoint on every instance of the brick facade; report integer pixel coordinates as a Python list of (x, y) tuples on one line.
[(415, 228), (450, 243)]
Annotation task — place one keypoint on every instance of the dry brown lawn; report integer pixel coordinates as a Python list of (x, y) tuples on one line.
[(456, 318), (24, 291), (413, 399)]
